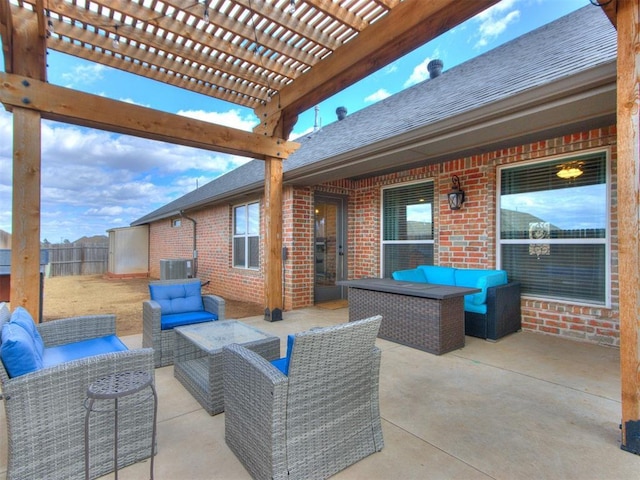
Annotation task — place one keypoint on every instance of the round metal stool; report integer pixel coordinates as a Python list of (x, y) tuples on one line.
[(114, 387)]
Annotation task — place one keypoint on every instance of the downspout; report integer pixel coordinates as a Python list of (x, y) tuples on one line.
[(195, 243)]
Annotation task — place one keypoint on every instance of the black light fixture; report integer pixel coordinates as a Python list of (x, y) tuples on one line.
[(456, 195)]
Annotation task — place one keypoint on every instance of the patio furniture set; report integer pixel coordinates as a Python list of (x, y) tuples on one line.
[(309, 414), (77, 399)]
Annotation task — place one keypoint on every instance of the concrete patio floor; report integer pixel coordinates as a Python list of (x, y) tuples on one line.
[(529, 406)]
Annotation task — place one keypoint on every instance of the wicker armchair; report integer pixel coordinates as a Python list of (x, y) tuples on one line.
[(45, 414), (163, 341), (319, 418)]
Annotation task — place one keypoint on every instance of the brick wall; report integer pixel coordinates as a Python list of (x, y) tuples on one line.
[(467, 237), (463, 238)]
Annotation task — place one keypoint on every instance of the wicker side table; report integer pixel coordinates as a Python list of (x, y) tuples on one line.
[(114, 387)]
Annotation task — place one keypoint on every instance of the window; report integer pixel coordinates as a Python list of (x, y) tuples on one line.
[(554, 231), (246, 236), (176, 222), (407, 227)]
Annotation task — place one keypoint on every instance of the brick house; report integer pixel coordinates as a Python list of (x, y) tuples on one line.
[(366, 195)]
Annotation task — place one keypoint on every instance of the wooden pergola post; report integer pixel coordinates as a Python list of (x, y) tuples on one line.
[(273, 239), (25, 245), (628, 16), (28, 59)]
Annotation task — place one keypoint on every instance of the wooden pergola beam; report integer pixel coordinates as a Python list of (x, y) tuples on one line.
[(408, 26), (70, 106)]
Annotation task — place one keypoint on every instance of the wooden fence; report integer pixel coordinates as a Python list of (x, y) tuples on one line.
[(77, 259)]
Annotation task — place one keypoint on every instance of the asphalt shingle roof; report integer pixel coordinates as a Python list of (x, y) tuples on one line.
[(576, 42)]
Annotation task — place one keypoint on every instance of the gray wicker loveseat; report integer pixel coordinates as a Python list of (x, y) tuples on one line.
[(317, 419), (44, 407), (175, 303)]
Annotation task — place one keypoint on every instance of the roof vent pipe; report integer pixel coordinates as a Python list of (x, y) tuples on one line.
[(435, 68), (341, 112)]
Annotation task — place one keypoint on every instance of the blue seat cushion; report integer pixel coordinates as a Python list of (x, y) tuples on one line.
[(177, 298), (470, 306), (413, 275), (22, 317), (82, 349), (18, 350), (282, 364), (168, 322)]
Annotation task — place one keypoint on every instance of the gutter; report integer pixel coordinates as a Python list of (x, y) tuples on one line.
[(195, 243)]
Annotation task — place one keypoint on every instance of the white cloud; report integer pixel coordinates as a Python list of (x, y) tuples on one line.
[(93, 180), (420, 71), (495, 21), (231, 118), (83, 75), (418, 74), (381, 94)]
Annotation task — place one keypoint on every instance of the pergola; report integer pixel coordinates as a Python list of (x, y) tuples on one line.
[(279, 58)]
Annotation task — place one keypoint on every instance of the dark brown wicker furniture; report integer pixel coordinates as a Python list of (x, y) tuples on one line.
[(420, 315)]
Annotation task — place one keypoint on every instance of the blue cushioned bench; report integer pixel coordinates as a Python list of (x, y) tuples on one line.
[(491, 313), (23, 350), (45, 370)]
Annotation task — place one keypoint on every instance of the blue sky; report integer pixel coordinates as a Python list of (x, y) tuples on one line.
[(93, 180)]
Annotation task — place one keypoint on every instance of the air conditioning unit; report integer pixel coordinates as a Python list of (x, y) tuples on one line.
[(176, 268)]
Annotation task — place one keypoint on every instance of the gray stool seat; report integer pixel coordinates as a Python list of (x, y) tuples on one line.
[(114, 387)]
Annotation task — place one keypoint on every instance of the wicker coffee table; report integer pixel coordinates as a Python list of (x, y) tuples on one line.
[(198, 356)]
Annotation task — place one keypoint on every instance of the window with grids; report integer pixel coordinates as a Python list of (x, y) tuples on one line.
[(246, 235), (554, 231), (407, 227)]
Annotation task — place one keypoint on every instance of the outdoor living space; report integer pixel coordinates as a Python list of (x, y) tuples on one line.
[(527, 406)]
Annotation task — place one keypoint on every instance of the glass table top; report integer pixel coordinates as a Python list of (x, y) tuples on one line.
[(211, 336)]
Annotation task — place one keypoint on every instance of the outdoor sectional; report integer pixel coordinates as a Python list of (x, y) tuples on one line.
[(492, 313), (44, 397)]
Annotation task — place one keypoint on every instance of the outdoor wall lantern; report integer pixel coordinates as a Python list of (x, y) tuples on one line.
[(456, 195)]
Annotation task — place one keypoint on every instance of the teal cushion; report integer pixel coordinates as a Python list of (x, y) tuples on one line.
[(469, 306), (18, 351), (82, 349), (413, 275), (22, 317), (282, 364), (177, 298), (439, 275), (482, 279), (168, 322)]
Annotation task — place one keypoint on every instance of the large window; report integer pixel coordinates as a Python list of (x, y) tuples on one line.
[(246, 236), (407, 227), (554, 228)]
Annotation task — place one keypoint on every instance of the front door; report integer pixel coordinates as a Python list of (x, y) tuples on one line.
[(330, 248)]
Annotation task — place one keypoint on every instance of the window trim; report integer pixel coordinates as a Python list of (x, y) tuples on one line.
[(246, 235), (384, 242), (584, 241)]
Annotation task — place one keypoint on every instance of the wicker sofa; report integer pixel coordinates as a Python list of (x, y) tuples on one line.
[(44, 408), (317, 419), (174, 303), (492, 313)]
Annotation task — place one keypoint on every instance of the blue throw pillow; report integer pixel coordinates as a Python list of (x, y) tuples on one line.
[(18, 351), (23, 318), (412, 275)]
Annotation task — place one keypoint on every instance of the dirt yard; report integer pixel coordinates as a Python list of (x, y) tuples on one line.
[(92, 294)]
